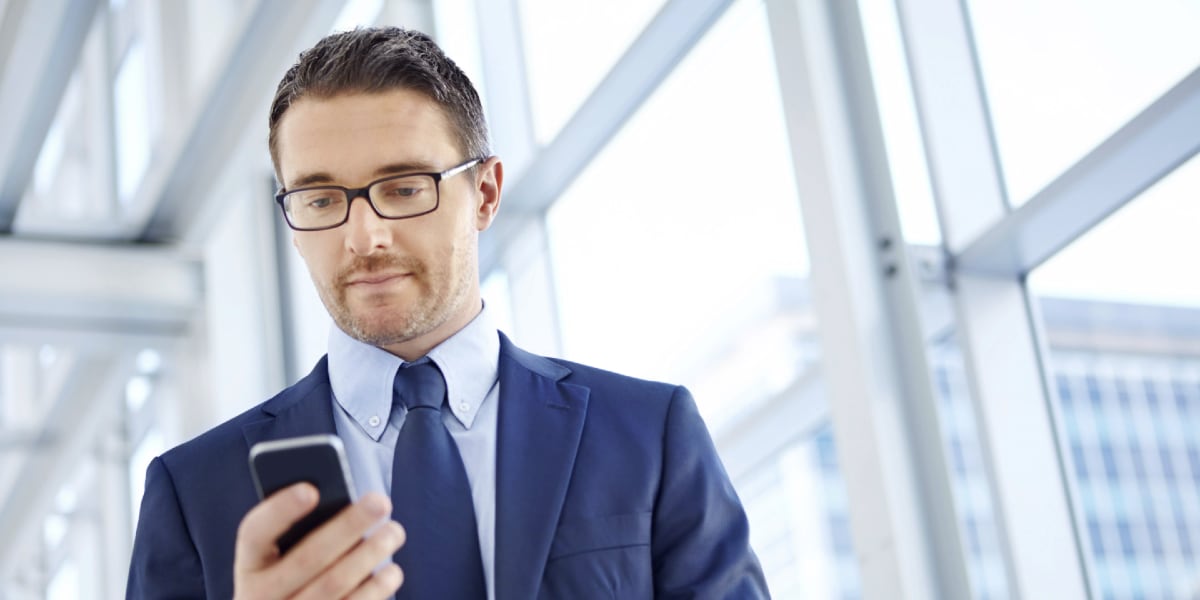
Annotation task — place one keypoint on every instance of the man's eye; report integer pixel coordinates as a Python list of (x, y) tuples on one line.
[(322, 202), (404, 192), (402, 189)]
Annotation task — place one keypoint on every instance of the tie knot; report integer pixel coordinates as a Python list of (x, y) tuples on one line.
[(420, 385)]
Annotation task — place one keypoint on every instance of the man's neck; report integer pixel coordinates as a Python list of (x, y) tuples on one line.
[(415, 348)]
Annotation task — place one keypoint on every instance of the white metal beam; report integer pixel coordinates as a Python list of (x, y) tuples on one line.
[(503, 55), (999, 332), (873, 350), (48, 287), (172, 203), (525, 255), (657, 50), (954, 117), (1001, 335), (534, 299), (1165, 135), (35, 67)]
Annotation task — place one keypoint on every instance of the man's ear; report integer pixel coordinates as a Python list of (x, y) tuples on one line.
[(490, 183)]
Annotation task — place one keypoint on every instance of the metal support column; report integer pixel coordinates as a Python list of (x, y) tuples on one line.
[(882, 403), (998, 331)]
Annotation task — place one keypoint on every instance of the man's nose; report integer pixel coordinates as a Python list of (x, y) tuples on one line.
[(366, 231)]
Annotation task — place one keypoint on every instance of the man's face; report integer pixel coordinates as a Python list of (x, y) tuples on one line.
[(404, 285)]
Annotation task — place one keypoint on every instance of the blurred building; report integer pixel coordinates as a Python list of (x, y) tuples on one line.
[(1127, 399)]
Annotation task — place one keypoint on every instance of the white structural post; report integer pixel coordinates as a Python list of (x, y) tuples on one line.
[(525, 258), (881, 400), (996, 327)]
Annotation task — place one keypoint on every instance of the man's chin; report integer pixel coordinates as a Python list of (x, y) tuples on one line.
[(373, 324), (377, 336)]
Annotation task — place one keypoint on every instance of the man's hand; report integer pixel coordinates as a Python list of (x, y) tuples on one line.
[(334, 561)]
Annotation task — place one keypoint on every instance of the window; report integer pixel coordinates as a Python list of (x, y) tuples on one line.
[(132, 105), (569, 47), (1134, 327), (1062, 75), (679, 253), (898, 116), (799, 522)]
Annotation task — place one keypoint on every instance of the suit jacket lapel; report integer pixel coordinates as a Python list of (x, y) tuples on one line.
[(540, 423), (305, 408)]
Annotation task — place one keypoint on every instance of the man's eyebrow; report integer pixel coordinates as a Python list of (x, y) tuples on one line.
[(405, 167), (317, 178), (323, 178)]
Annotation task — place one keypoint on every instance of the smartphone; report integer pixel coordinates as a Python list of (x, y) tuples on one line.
[(317, 459)]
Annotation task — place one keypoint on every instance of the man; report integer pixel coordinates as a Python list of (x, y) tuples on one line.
[(571, 482)]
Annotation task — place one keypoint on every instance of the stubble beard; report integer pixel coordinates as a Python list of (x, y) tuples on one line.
[(439, 296)]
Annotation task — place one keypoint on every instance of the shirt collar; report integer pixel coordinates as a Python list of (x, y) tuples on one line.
[(361, 375)]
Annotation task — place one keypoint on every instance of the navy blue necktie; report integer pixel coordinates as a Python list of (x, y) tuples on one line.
[(431, 496)]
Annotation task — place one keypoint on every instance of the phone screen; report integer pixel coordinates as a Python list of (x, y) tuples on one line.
[(317, 459)]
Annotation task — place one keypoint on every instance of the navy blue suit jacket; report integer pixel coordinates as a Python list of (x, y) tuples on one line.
[(606, 487)]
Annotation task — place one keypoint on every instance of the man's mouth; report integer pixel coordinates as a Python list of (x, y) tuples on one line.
[(370, 279)]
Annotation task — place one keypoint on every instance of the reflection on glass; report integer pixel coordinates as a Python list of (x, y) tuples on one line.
[(1121, 311), (679, 252), (570, 45), (1062, 75)]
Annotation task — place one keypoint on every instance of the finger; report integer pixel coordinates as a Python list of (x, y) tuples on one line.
[(355, 567), (255, 548), (327, 543), (382, 584)]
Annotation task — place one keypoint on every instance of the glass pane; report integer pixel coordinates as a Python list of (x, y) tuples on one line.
[(800, 522), (679, 252), (357, 13), (498, 296), (1121, 311), (570, 45), (457, 32), (1143, 254), (131, 101), (1063, 75), (70, 155), (898, 116), (66, 583), (969, 481)]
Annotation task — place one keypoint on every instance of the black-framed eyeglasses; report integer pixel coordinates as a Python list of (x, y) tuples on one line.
[(393, 197)]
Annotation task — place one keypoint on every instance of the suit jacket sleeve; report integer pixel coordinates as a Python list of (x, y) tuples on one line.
[(165, 562), (701, 546)]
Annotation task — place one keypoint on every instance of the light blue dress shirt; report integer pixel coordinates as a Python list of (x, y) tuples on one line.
[(361, 376)]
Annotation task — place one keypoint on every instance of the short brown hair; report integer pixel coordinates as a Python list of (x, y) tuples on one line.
[(379, 59)]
